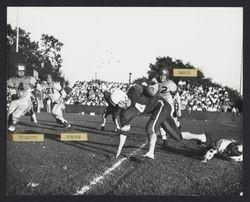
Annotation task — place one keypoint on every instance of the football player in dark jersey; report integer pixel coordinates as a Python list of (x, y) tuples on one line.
[(112, 109), (144, 100)]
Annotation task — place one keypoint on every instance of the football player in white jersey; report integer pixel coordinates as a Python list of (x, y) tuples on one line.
[(228, 149), (20, 88), (169, 91), (56, 94)]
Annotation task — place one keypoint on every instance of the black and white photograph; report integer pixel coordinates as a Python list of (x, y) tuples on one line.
[(124, 101)]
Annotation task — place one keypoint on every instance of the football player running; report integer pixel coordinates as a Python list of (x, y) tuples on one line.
[(56, 94), (20, 89), (169, 91), (228, 149), (112, 109), (144, 100)]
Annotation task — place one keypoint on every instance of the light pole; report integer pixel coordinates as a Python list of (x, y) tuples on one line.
[(129, 81), (95, 76), (17, 31)]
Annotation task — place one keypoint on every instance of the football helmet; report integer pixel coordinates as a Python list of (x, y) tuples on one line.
[(152, 88), (20, 69), (119, 97), (163, 74)]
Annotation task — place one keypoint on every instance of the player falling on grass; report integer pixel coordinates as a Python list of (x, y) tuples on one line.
[(228, 149), (112, 109), (143, 100), (169, 91), (56, 94), (20, 89)]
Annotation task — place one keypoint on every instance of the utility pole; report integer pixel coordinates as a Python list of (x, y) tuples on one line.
[(95, 76), (17, 31), (129, 81)]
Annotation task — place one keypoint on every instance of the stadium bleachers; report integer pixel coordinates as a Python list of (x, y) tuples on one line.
[(193, 98)]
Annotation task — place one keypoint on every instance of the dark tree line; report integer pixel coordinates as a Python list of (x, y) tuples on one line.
[(44, 56)]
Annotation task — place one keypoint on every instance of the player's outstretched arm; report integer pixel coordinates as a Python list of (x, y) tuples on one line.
[(209, 155)]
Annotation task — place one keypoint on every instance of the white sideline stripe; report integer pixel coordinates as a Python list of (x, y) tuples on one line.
[(85, 188)]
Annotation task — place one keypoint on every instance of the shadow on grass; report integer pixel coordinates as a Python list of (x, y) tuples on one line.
[(54, 127), (187, 152), (84, 145), (131, 135)]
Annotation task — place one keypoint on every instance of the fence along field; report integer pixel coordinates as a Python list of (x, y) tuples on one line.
[(55, 167)]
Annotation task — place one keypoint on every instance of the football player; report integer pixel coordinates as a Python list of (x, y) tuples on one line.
[(169, 91), (143, 100), (20, 89), (56, 94), (112, 109), (228, 149)]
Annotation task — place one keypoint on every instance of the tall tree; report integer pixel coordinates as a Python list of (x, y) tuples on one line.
[(168, 63), (50, 49), (44, 57)]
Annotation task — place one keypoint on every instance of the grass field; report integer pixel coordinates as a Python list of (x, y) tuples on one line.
[(55, 167)]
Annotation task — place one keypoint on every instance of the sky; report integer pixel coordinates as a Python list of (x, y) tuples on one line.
[(111, 42)]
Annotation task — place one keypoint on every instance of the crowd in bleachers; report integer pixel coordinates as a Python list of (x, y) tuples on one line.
[(91, 93), (199, 98), (193, 98)]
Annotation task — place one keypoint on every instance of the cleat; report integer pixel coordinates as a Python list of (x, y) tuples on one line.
[(148, 155), (11, 128), (67, 126)]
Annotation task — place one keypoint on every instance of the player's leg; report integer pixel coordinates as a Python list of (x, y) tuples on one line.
[(163, 132), (115, 119), (48, 105), (57, 113), (171, 128), (20, 110), (153, 125), (33, 116), (104, 117), (12, 107), (125, 117), (164, 137), (31, 112), (122, 139)]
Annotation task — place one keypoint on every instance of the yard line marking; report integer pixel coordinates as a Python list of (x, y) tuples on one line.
[(98, 179)]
